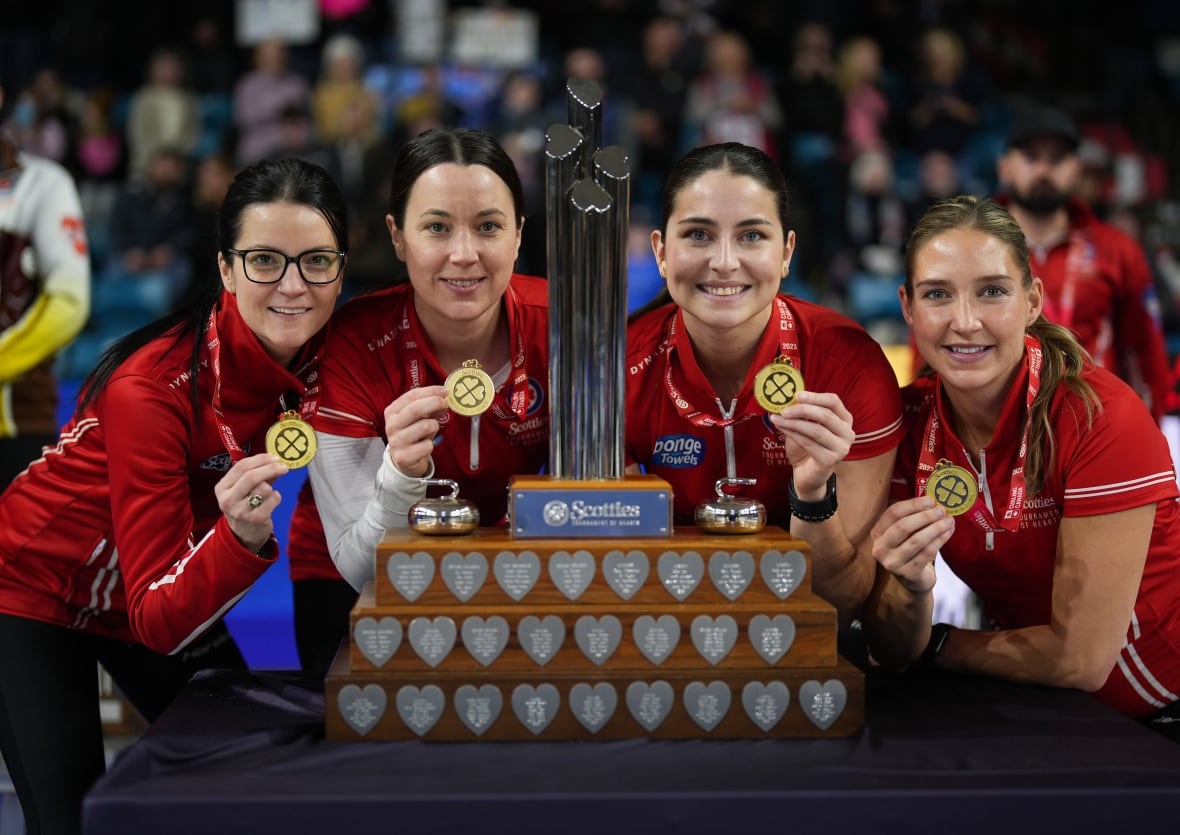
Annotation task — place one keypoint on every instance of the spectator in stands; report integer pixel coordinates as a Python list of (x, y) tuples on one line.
[(296, 138), (520, 127), (44, 119), (946, 97), (260, 97), (44, 297), (102, 169), (150, 237), (127, 542), (340, 91), (731, 100), (1097, 280), (658, 86), (163, 113), (211, 183), (868, 115), (813, 111), (429, 106)]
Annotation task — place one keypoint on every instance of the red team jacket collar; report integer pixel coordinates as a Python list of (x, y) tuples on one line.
[(691, 381), (250, 376), (1008, 429), (416, 341)]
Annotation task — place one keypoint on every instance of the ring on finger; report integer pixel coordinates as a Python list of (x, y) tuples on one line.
[(254, 500)]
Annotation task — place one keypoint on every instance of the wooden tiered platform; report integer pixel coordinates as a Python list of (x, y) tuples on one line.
[(689, 636)]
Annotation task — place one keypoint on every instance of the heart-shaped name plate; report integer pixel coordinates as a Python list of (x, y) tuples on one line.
[(478, 709), (420, 709), (680, 574), (571, 573), (625, 573), (771, 637), (410, 573), (823, 703), (656, 637), (361, 707), (714, 637), (540, 638), (765, 704), (535, 707), (593, 706), (432, 640), (598, 638), (517, 573), (707, 704), (377, 640), (485, 639), (783, 573), (649, 704), (731, 573), (464, 574)]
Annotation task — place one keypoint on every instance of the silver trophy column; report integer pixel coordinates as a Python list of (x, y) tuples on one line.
[(587, 207)]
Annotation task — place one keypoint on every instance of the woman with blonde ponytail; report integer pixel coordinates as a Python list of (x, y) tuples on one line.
[(1041, 478)]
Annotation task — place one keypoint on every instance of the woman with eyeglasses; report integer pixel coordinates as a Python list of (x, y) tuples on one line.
[(126, 542), (455, 220)]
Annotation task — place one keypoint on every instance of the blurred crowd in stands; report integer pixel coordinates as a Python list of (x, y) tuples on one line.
[(873, 108)]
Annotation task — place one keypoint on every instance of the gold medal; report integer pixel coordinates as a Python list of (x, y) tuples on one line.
[(777, 384), (470, 391), (952, 487), (291, 439)]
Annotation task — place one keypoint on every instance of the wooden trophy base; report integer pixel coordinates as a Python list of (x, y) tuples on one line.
[(687, 636), (825, 701), (490, 567), (530, 639)]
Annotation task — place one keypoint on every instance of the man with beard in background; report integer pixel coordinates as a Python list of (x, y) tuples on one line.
[(1097, 280)]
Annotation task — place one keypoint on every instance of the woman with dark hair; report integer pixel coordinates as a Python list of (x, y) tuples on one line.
[(751, 383), (1042, 478), (455, 220), (126, 543)]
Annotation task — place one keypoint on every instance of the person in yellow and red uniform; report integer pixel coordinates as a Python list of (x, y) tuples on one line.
[(44, 297)]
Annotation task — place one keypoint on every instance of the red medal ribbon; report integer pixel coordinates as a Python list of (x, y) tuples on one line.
[(307, 406), (517, 399), (788, 349), (980, 514)]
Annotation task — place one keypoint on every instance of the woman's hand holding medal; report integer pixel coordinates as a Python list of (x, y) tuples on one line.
[(906, 540), (247, 497), (412, 422), (817, 430)]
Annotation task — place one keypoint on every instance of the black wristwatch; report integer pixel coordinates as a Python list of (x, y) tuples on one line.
[(938, 636), (825, 508)]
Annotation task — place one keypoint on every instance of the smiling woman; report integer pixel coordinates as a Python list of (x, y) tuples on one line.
[(126, 542), (1040, 477), (719, 363), (455, 219)]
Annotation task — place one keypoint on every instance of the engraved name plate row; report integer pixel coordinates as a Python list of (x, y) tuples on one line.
[(688, 636)]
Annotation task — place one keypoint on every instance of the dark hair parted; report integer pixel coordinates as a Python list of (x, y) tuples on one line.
[(1063, 358), (733, 158), (457, 146), (293, 181)]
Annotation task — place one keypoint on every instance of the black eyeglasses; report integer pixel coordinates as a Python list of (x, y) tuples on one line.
[(268, 266)]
